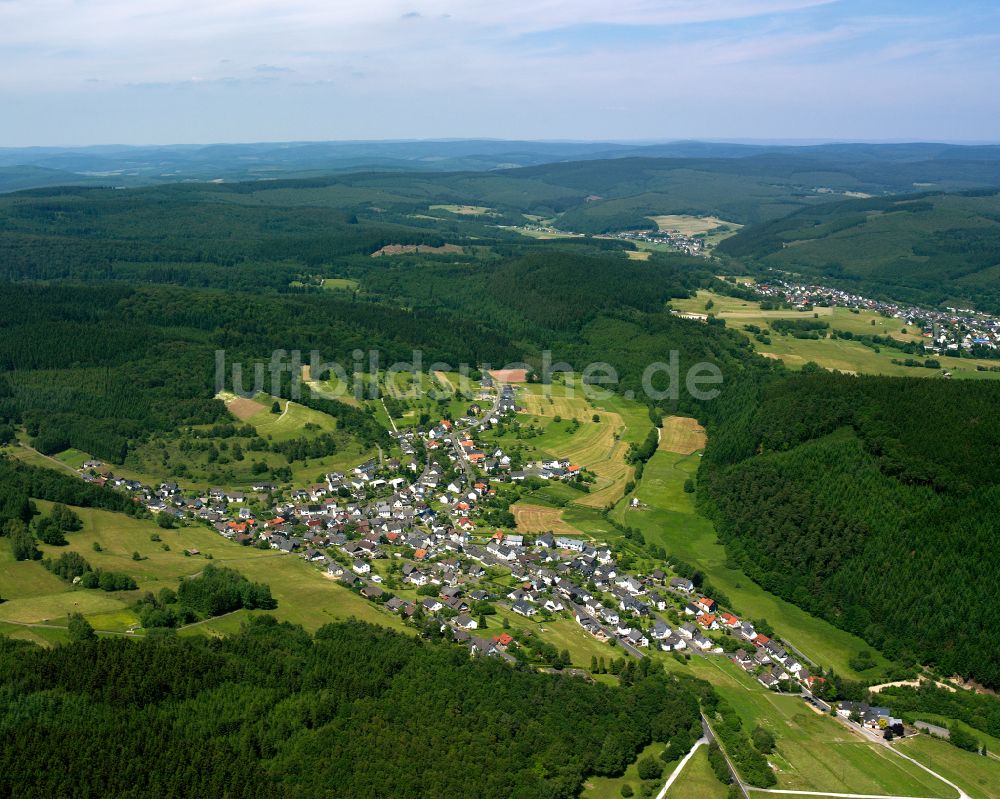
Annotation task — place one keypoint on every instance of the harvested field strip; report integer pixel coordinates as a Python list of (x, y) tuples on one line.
[(682, 435), (539, 519)]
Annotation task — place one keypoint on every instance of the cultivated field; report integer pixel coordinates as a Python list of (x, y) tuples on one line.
[(243, 408), (401, 249), (509, 375), (540, 519), (692, 225), (682, 435), (465, 210), (597, 446)]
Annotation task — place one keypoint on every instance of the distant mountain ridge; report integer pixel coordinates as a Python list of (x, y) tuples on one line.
[(142, 165)]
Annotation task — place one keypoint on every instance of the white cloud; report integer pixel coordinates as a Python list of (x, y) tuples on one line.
[(391, 68)]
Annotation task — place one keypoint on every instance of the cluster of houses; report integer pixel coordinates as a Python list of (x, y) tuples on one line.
[(682, 242), (423, 515), (871, 716), (946, 331)]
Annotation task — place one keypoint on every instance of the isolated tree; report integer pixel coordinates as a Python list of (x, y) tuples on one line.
[(649, 768), (275, 407), (165, 520)]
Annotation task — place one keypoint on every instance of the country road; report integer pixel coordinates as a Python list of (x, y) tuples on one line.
[(680, 767)]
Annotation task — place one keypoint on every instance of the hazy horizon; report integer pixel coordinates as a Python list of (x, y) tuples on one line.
[(763, 142), (178, 71)]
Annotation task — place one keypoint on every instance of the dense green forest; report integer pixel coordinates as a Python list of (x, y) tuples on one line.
[(355, 711), (870, 502), (927, 248), (100, 368)]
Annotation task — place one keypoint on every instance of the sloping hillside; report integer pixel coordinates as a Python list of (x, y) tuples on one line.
[(930, 247)]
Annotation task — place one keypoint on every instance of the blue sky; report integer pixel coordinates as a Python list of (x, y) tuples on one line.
[(165, 71)]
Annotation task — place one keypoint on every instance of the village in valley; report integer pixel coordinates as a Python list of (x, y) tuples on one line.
[(416, 536), (946, 331)]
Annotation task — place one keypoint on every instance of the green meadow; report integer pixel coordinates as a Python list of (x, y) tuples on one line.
[(697, 780), (977, 775), (815, 752), (305, 595)]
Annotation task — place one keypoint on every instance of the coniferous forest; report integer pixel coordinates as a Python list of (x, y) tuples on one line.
[(354, 711), (870, 502)]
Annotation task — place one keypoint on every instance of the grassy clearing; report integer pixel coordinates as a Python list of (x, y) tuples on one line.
[(339, 284), (992, 743), (697, 780), (976, 775), (610, 787), (546, 234), (53, 608), (291, 422), (400, 249), (43, 636), (305, 596), (589, 521), (638, 255), (74, 458), (672, 521)]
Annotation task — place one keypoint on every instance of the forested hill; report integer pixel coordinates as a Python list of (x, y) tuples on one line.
[(936, 249), (273, 712), (870, 502), (98, 367)]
